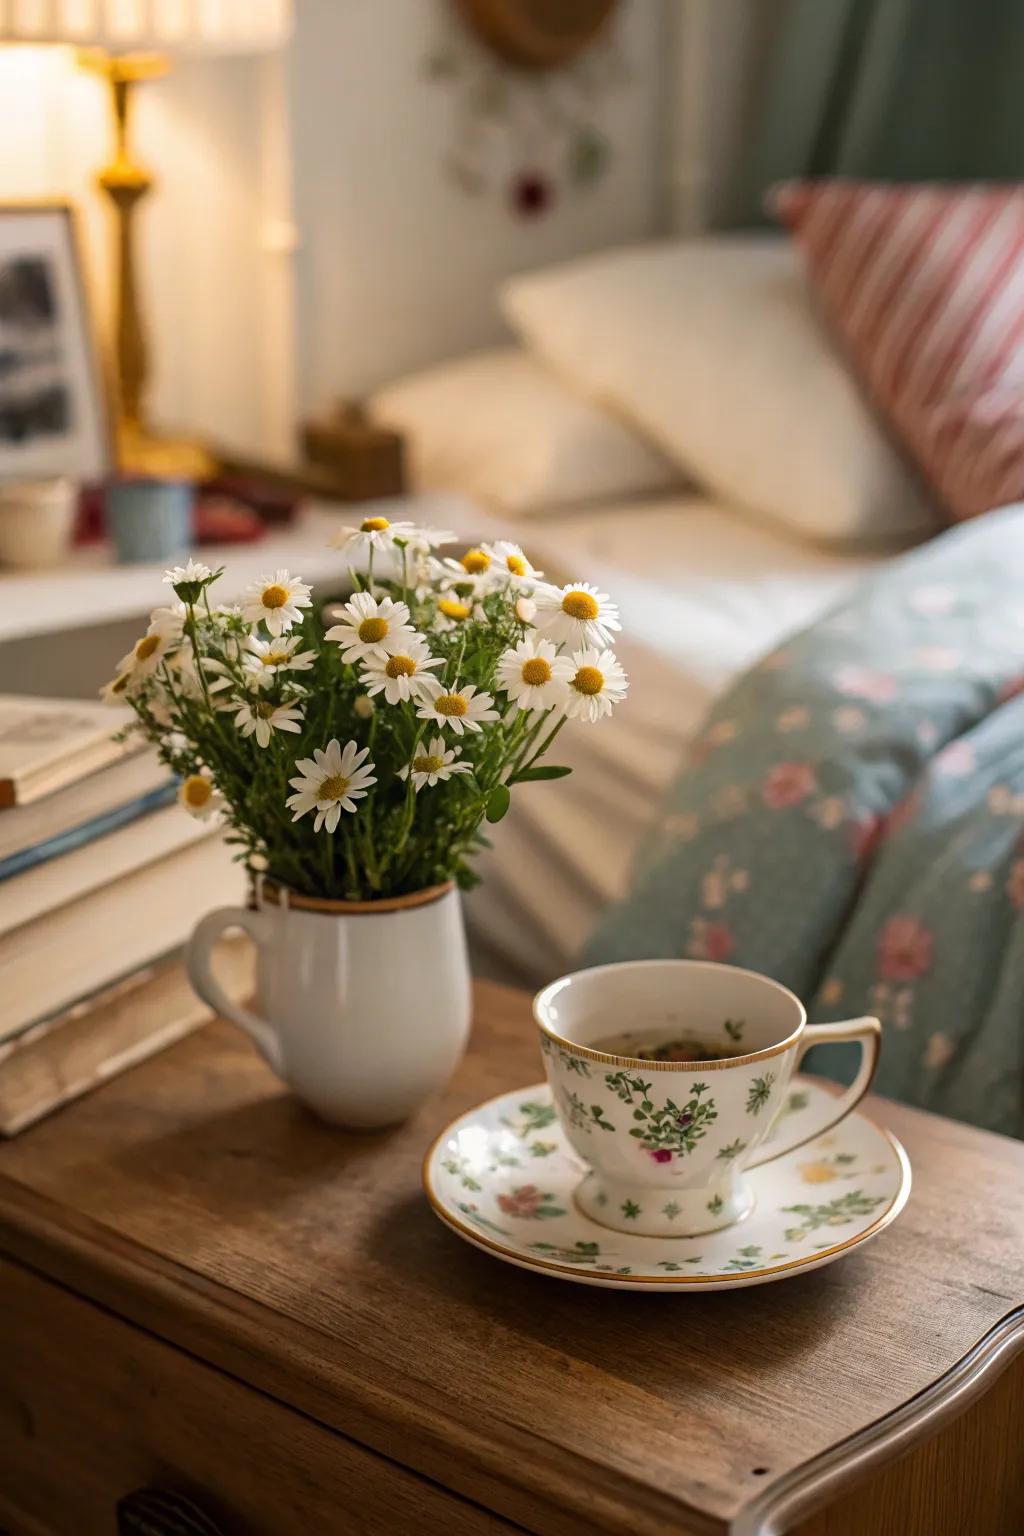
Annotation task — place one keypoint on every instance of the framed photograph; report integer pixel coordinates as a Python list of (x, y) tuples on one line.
[(54, 417)]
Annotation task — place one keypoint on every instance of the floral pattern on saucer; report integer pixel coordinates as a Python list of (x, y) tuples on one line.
[(503, 1176)]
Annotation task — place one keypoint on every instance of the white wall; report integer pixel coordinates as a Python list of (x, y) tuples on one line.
[(397, 267)]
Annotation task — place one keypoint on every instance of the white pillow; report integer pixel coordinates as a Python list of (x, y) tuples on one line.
[(501, 428), (712, 346)]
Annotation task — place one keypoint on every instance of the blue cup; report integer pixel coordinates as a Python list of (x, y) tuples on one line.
[(149, 520)]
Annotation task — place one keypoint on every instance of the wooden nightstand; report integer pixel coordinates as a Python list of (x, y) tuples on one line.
[(206, 1292)]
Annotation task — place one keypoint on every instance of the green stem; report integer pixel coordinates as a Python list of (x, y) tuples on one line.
[(543, 746)]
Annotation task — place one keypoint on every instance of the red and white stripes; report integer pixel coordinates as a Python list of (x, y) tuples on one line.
[(924, 286)]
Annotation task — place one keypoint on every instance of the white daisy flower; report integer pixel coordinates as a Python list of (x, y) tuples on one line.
[(597, 683), (433, 765), (475, 562), (374, 628), (422, 540), (526, 610), (262, 718), (576, 615), (462, 708), (373, 535), (509, 560), (363, 706), (533, 674), (264, 659), (147, 654), (453, 611), (182, 665), (169, 621), (400, 676), (119, 687), (193, 571), (331, 782), (197, 795), (449, 576), (277, 600)]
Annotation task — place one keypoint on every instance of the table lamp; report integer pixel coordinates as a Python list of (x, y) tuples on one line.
[(128, 41)]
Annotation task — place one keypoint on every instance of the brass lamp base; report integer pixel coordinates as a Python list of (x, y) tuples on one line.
[(140, 452), (126, 182)]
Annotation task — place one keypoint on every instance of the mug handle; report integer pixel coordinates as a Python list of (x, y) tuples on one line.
[(867, 1033), (200, 973)]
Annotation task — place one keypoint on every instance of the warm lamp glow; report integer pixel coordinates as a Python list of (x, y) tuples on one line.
[(166, 26), (128, 41)]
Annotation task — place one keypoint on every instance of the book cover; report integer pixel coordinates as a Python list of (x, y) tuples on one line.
[(47, 743), (87, 832), (72, 950), (22, 826), (40, 892), (57, 1060)]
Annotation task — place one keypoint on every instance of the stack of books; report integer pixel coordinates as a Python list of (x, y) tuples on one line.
[(102, 876)]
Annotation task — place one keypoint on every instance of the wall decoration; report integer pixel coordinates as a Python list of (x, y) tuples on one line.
[(537, 34), (530, 80), (53, 416)]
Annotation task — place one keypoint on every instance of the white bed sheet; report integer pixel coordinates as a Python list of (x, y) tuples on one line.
[(702, 593)]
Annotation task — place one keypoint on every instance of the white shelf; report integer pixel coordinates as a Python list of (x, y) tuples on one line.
[(92, 589)]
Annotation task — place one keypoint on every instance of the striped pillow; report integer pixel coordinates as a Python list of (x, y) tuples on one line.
[(924, 285)]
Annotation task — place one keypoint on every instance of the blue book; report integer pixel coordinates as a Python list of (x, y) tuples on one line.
[(87, 831)]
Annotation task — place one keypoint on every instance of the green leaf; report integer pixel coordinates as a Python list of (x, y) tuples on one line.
[(499, 802), (531, 775)]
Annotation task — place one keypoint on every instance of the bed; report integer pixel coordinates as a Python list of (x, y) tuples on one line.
[(703, 592), (636, 376)]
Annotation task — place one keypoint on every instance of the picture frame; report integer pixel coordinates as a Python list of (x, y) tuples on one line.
[(55, 418)]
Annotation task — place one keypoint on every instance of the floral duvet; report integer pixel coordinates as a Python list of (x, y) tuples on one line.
[(850, 822)]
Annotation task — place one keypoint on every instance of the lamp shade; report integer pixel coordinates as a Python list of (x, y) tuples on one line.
[(165, 26)]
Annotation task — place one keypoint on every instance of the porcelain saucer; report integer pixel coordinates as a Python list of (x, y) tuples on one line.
[(502, 1176)]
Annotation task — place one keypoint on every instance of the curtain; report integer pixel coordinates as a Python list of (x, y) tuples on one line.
[(895, 90)]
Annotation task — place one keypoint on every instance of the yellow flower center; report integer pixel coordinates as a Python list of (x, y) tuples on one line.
[(427, 764), (274, 658), (516, 564), (400, 666), (536, 671), (451, 704), (274, 596), (588, 680), (580, 605), (146, 646), (196, 791), (371, 631), (374, 525), (453, 610), (334, 787), (475, 562), (120, 684), (264, 709)]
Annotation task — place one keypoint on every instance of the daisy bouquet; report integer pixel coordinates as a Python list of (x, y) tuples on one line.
[(362, 759)]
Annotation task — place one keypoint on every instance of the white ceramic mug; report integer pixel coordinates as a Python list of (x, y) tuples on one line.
[(668, 1143), (362, 1008), (37, 521)]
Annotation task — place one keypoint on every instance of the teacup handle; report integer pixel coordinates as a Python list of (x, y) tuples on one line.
[(200, 973), (867, 1033)]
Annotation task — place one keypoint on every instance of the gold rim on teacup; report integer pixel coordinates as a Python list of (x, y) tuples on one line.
[(548, 993)]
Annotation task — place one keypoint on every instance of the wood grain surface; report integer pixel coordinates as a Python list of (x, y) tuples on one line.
[(131, 1412), (196, 1198)]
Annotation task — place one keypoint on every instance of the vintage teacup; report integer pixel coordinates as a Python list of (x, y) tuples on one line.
[(667, 1141)]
